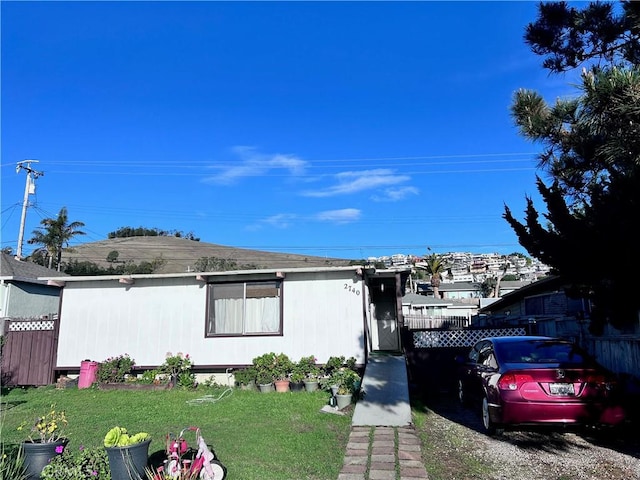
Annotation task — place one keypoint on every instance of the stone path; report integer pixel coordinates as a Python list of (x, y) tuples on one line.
[(383, 453)]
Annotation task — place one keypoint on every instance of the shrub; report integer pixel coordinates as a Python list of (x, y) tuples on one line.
[(265, 368), (282, 367), (178, 368), (333, 364), (115, 369), (150, 377), (306, 368), (245, 376), (86, 464)]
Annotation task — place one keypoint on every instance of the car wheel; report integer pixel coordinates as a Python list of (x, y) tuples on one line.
[(490, 428), (461, 395)]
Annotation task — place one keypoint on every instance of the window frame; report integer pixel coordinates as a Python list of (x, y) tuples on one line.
[(209, 310)]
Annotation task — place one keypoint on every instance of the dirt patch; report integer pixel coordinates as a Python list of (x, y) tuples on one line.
[(456, 449)]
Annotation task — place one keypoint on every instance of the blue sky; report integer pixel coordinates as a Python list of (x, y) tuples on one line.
[(335, 129)]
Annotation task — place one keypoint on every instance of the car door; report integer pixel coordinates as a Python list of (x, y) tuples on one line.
[(471, 376), (486, 369)]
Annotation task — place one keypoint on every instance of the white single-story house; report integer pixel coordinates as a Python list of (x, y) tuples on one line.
[(225, 319)]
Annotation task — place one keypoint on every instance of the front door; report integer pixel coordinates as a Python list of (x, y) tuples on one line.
[(385, 333)]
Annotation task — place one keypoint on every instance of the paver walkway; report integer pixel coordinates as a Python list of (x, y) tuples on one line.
[(383, 444), (383, 453)]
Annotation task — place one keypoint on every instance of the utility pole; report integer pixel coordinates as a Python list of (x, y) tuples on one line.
[(29, 188)]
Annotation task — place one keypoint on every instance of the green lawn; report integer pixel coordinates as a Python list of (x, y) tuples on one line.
[(255, 435)]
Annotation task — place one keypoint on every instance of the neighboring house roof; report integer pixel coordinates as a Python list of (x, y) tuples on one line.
[(545, 285), (18, 270), (459, 287), (514, 284), (417, 299)]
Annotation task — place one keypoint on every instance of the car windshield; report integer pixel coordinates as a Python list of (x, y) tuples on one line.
[(540, 351)]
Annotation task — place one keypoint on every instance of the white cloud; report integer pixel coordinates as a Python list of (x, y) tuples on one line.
[(253, 163), (353, 182), (345, 215), (281, 220), (395, 194)]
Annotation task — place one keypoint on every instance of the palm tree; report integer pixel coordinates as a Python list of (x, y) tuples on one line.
[(54, 235), (435, 265)]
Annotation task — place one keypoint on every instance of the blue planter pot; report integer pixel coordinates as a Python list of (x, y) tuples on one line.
[(37, 455), (128, 463)]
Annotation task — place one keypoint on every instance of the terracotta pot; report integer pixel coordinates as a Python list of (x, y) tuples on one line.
[(282, 385)]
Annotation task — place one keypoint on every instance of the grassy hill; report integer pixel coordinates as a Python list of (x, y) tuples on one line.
[(180, 255)]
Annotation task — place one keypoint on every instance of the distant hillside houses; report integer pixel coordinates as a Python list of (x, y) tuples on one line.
[(474, 267)]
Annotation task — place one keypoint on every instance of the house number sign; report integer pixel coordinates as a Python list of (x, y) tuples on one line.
[(351, 289)]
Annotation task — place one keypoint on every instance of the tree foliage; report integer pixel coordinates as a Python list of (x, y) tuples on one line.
[(126, 232), (54, 234), (76, 268), (591, 153), (215, 264), (569, 36), (436, 266)]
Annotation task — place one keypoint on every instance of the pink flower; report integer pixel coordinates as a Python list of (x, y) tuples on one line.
[(60, 449)]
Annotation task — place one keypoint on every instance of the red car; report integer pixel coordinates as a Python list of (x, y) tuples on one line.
[(522, 381)]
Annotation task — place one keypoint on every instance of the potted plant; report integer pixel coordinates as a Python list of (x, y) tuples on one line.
[(329, 380), (265, 370), (297, 377), (348, 381), (281, 372), (45, 440), (245, 378), (128, 454), (311, 372), (178, 368)]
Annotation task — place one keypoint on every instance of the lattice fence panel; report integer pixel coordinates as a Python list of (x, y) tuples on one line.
[(459, 338), (31, 325)]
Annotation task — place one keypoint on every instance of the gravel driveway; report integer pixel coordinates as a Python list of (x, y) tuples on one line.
[(456, 449)]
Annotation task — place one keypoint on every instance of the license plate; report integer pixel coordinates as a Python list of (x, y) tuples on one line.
[(561, 389)]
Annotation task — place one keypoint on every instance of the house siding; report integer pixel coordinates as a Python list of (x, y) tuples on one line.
[(27, 300), (322, 316)]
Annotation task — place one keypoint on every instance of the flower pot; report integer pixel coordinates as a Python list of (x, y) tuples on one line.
[(282, 385), (247, 386), (128, 463), (311, 385), (266, 387), (343, 401), (334, 389), (296, 386), (37, 456)]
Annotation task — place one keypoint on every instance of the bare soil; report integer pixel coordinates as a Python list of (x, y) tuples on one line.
[(456, 449)]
